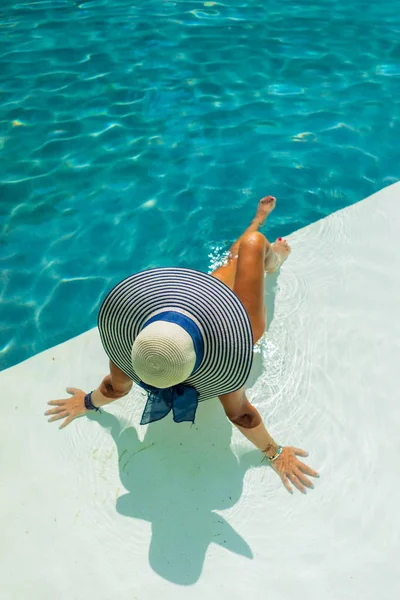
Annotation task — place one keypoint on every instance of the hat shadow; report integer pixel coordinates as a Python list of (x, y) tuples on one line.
[(176, 479)]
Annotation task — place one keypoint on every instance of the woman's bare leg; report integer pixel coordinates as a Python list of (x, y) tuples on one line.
[(227, 272), (249, 257)]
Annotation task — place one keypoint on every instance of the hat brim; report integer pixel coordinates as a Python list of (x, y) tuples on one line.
[(215, 308)]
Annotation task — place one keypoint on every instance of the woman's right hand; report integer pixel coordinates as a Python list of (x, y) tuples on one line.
[(68, 409), (292, 470)]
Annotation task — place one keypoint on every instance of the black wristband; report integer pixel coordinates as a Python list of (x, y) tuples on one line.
[(88, 403)]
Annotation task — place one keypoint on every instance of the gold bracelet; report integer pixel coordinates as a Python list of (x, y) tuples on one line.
[(267, 449), (272, 458)]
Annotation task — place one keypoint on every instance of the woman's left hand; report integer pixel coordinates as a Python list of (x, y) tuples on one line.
[(291, 469), (69, 408)]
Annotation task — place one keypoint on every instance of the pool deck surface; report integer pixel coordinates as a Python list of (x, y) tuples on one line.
[(110, 510)]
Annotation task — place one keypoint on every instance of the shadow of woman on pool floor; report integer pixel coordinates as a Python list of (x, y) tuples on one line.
[(176, 478), (179, 475)]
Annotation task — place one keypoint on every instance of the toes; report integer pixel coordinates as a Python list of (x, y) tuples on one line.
[(283, 244)]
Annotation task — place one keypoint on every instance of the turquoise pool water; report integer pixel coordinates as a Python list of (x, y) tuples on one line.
[(141, 136)]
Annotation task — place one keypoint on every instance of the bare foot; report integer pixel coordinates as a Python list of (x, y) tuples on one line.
[(265, 206), (277, 255)]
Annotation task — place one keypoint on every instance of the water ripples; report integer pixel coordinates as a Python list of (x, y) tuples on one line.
[(147, 131)]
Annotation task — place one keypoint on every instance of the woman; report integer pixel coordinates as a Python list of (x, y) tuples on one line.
[(186, 336)]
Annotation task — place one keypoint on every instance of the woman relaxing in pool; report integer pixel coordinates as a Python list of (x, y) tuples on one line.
[(185, 336)]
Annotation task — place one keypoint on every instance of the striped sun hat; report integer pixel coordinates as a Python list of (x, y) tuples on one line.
[(181, 334)]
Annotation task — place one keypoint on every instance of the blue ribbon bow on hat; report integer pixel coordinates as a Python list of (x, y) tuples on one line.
[(181, 399)]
